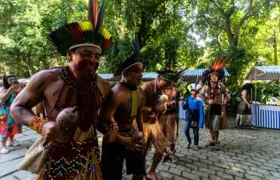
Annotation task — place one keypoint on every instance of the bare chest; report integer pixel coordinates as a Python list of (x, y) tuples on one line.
[(58, 96)]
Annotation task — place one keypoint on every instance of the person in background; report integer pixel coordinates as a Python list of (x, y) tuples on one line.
[(169, 121), (212, 95), (244, 107), (194, 115), (154, 107), (8, 127)]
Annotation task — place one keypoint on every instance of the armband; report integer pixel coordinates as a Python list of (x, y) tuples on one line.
[(114, 126), (36, 123)]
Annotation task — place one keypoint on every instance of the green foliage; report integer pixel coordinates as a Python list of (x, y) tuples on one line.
[(187, 34), (24, 48), (262, 93), (266, 90)]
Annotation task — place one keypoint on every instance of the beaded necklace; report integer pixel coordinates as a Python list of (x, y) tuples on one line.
[(68, 160)]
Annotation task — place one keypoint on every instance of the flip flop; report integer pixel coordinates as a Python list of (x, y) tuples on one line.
[(217, 147), (164, 158), (210, 144), (13, 144), (195, 148), (174, 159), (253, 128), (4, 151)]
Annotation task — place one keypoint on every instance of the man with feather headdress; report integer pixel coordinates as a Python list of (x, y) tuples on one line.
[(155, 106), (75, 85), (169, 121), (212, 95)]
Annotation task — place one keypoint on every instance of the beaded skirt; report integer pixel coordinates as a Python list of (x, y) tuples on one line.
[(76, 161)]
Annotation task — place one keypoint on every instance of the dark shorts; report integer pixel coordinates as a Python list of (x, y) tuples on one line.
[(215, 109), (112, 159)]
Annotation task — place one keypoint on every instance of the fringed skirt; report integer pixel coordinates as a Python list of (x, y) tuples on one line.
[(168, 123), (153, 135), (75, 161)]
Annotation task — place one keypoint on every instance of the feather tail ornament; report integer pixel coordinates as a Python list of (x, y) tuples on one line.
[(95, 13), (90, 11)]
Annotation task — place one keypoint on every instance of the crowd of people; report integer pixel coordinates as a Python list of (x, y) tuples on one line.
[(131, 117)]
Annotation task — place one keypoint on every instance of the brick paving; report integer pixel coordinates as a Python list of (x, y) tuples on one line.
[(244, 154)]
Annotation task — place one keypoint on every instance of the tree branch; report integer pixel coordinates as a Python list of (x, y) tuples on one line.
[(218, 41), (245, 17), (211, 23), (219, 8)]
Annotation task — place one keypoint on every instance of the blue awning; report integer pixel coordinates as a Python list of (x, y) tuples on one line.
[(147, 76), (199, 72), (264, 73), (106, 76), (192, 75)]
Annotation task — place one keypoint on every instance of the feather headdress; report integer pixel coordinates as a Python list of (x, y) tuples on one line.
[(77, 34), (170, 74), (217, 68), (195, 86), (135, 58)]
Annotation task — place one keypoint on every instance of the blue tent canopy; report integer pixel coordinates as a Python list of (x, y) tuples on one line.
[(191, 75), (264, 73), (147, 76)]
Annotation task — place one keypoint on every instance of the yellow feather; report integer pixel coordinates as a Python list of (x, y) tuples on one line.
[(86, 26)]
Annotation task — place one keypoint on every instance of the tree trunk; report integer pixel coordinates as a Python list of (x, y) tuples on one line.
[(29, 65), (228, 30)]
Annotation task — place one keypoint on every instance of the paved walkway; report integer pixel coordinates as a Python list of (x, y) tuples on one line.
[(244, 154)]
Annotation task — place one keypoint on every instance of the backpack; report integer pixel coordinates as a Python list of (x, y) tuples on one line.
[(239, 97)]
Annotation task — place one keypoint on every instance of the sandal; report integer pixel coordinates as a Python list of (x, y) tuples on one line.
[(174, 159), (195, 148), (253, 128), (164, 157), (217, 146), (4, 151), (188, 145), (211, 143), (13, 144)]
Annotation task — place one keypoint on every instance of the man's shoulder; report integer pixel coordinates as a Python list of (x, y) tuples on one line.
[(46, 75), (104, 86), (148, 86), (140, 90), (103, 82)]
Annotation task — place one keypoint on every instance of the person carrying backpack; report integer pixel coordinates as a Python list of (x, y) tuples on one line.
[(244, 107)]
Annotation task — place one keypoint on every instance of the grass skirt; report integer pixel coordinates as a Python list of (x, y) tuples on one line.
[(153, 135), (168, 123)]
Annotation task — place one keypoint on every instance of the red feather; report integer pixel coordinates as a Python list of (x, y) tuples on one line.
[(107, 43), (219, 64), (77, 32), (95, 15)]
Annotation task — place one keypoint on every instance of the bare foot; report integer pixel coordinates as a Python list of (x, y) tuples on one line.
[(153, 175)]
